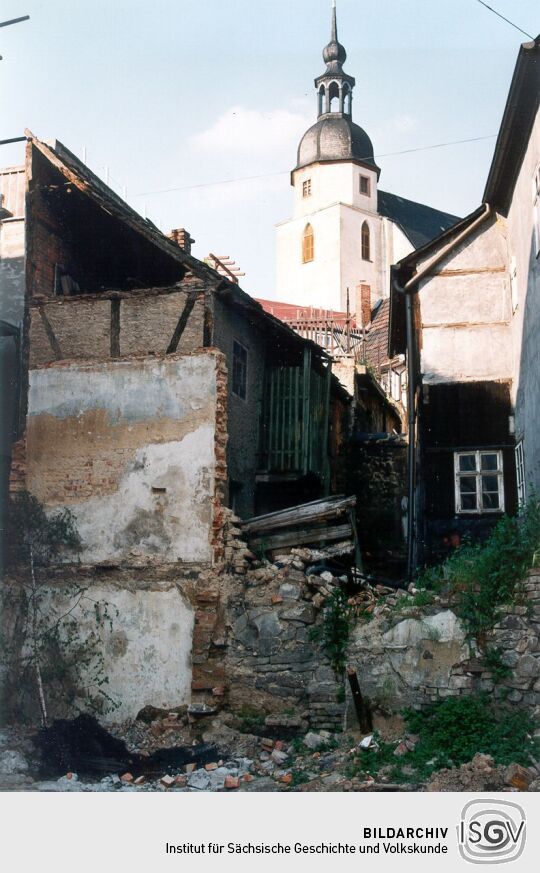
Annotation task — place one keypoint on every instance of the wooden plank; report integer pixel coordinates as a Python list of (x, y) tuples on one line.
[(305, 410), (326, 427), (283, 416), (269, 430), (302, 537), (182, 321), (115, 328), (51, 336), (329, 507), (296, 423)]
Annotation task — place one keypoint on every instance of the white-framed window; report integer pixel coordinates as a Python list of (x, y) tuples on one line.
[(479, 482), (520, 473), (306, 188), (365, 185), (536, 210)]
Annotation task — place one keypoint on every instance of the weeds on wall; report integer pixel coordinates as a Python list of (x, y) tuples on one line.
[(54, 653), (333, 633), (482, 577)]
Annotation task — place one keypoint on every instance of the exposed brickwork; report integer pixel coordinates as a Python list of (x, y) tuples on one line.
[(364, 304), (221, 438), (17, 479), (182, 237), (47, 248)]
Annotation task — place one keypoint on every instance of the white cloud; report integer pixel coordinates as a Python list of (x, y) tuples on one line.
[(251, 132)]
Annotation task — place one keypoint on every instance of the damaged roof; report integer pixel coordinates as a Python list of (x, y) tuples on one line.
[(88, 183), (81, 177), (419, 223)]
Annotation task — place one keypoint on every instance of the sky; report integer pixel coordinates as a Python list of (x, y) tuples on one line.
[(183, 94)]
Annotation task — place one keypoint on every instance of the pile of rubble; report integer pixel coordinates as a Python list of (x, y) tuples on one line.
[(310, 761), (482, 774)]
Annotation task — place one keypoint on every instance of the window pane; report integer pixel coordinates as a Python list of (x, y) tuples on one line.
[(490, 501), (467, 484), (490, 483), (468, 501), (489, 461), (467, 463)]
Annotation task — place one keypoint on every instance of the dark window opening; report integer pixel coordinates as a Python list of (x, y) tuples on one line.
[(365, 186), (239, 370)]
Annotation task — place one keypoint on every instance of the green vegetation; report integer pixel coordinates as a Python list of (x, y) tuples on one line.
[(450, 733), (482, 577), (55, 648), (299, 777), (333, 634), (492, 658), (250, 720)]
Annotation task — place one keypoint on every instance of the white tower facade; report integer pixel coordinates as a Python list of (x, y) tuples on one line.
[(336, 242)]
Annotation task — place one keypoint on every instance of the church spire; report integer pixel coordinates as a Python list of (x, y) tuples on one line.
[(334, 86)]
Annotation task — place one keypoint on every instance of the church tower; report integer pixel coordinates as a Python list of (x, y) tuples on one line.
[(332, 242)]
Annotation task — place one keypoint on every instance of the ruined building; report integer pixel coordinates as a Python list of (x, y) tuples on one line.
[(147, 393)]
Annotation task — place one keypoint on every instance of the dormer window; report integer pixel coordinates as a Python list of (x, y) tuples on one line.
[(308, 244), (365, 186), (306, 188)]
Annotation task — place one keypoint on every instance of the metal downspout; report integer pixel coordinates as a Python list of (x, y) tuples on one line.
[(411, 449)]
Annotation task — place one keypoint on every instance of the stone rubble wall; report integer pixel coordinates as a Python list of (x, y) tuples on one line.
[(417, 655)]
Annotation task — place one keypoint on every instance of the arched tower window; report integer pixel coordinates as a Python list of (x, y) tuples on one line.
[(366, 242), (345, 98), (308, 244), (333, 93)]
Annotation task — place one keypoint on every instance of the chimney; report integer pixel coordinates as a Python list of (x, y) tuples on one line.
[(182, 238), (364, 304)]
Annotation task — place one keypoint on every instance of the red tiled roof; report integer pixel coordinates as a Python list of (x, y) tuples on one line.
[(295, 312)]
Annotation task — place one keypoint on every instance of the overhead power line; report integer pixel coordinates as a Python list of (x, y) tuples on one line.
[(439, 145), (14, 21), (491, 9)]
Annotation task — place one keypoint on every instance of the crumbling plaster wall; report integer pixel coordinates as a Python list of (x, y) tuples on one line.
[(423, 655), (147, 647), (129, 447)]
